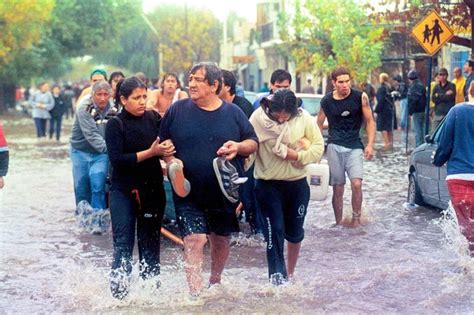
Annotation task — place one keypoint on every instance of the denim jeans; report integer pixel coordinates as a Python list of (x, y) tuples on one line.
[(55, 127), (418, 123), (247, 196), (40, 124), (144, 210), (89, 171), (283, 205), (403, 113)]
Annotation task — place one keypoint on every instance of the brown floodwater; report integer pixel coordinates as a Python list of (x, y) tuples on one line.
[(401, 260)]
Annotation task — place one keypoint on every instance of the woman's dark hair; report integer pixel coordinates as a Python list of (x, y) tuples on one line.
[(115, 74), (281, 100), (125, 88)]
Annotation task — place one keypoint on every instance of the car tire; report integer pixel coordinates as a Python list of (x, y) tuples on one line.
[(414, 194)]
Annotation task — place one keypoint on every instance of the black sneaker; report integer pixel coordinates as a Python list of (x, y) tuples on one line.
[(119, 284), (228, 178)]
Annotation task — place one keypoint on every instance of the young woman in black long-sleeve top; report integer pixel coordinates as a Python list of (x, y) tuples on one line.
[(137, 197)]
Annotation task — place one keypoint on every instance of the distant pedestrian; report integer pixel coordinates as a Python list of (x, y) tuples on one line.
[(308, 88), (469, 71), (4, 157), (56, 113), (402, 94), (115, 77), (416, 105), (444, 96), (371, 93), (346, 109), (264, 87), (42, 102), (69, 101), (239, 90), (385, 111), (459, 81), (456, 148)]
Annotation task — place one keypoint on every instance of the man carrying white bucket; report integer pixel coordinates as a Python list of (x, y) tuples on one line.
[(345, 110)]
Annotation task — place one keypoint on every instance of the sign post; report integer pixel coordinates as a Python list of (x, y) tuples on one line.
[(431, 33)]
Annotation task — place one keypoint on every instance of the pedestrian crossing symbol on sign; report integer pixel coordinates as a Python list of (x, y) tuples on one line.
[(432, 33)]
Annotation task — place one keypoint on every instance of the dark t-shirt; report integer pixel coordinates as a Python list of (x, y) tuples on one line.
[(244, 105), (126, 137), (197, 134), (59, 107), (344, 119)]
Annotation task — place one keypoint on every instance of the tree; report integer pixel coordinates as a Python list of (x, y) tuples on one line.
[(41, 36), (403, 15), (187, 35), (22, 23), (330, 33)]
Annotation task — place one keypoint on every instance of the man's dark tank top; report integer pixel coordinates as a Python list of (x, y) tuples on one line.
[(344, 119)]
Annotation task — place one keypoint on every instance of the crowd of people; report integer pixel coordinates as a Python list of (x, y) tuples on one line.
[(220, 153)]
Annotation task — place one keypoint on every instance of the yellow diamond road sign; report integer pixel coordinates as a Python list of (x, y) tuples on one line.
[(432, 33)]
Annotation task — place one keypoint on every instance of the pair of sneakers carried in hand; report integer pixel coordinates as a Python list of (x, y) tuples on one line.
[(226, 174)]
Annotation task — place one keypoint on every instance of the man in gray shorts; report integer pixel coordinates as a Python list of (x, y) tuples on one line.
[(345, 110)]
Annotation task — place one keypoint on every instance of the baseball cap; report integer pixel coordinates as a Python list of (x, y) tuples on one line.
[(99, 71)]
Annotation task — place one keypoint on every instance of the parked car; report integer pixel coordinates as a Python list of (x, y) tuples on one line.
[(250, 96), (426, 182)]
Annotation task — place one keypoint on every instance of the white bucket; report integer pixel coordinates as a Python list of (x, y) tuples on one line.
[(318, 180)]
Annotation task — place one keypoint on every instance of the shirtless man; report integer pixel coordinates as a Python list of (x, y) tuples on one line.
[(161, 99)]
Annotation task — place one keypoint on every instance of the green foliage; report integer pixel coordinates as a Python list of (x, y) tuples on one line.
[(454, 12), (21, 23), (186, 35), (41, 36), (331, 33)]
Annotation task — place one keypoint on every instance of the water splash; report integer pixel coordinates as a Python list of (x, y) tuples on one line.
[(454, 240)]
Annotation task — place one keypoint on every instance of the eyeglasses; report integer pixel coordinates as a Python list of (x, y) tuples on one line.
[(197, 79)]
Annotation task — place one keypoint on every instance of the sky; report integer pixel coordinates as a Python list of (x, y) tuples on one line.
[(244, 8)]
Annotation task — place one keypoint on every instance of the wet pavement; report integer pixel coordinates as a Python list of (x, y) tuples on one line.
[(401, 260)]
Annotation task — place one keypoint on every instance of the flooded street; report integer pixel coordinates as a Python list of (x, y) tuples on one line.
[(400, 261)]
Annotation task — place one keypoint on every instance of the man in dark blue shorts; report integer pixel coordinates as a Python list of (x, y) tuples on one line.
[(202, 128)]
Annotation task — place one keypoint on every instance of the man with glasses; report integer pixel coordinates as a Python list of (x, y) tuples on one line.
[(444, 97), (201, 128)]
